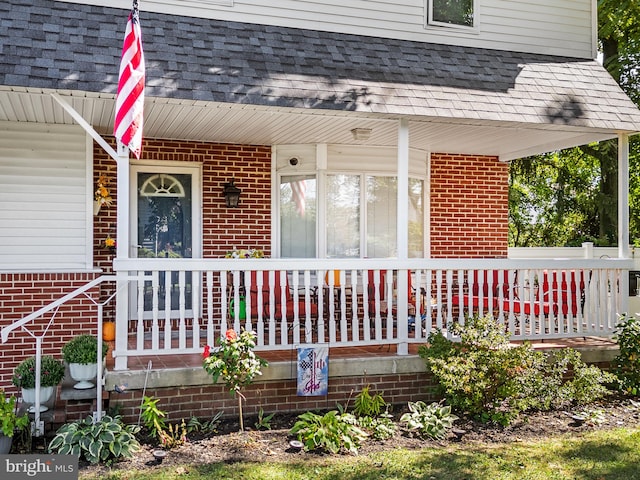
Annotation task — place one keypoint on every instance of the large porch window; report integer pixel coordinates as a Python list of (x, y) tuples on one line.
[(360, 212)]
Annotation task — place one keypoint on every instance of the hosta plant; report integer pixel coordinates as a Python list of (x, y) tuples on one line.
[(103, 441), (332, 431), (432, 421)]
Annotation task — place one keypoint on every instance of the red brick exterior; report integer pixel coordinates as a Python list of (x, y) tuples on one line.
[(273, 396), (469, 206), (24, 293), (468, 219)]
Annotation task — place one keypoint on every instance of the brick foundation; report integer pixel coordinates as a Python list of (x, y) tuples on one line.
[(277, 396)]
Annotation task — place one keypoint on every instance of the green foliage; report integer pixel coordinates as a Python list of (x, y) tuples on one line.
[(169, 435), (371, 417), (234, 360), (152, 416), (51, 372), (10, 421), (194, 425), (263, 422), (379, 428), (486, 377), (430, 421), (590, 417), (104, 441), (83, 349), (627, 363), (332, 431), (367, 405)]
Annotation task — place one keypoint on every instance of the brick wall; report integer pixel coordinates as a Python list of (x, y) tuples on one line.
[(248, 226), (469, 206), (26, 292), (273, 396)]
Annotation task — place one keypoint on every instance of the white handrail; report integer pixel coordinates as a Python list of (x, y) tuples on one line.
[(38, 428)]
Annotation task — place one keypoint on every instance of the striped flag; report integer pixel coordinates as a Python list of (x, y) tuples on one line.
[(130, 99), (299, 189)]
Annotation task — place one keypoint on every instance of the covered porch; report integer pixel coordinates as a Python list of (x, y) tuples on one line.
[(385, 303)]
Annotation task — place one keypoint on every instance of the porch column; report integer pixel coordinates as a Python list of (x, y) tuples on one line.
[(123, 249), (623, 214), (403, 235)]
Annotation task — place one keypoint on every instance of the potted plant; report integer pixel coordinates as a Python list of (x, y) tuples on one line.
[(51, 374), (10, 421), (81, 354)]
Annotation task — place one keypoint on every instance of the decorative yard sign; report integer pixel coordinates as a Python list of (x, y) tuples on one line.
[(313, 371)]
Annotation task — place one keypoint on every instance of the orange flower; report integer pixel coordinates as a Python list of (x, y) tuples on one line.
[(109, 242), (231, 335)]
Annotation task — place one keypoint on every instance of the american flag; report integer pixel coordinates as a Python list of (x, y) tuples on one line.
[(130, 99), (298, 190)]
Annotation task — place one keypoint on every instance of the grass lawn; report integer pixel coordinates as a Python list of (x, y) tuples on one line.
[(598, 455)]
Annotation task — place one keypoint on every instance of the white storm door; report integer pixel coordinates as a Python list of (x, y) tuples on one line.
[(166, 223)]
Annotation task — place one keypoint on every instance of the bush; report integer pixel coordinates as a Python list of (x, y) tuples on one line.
[(51, 372), (83, 349), (332, 431), (104, 441), (371, 417), (627, 363), (487, 377), (431, 421)]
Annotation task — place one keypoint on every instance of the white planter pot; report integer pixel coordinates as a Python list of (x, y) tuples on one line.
[(29, 396), (5, 444), (96, 206), (83, 373)]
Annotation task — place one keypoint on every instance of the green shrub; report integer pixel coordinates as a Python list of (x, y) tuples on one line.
[(367, 405), (152, 416), (51, 372), (627, 363), (104, 441), (332, 431), (83, 349), (432, 421), (487, 377)]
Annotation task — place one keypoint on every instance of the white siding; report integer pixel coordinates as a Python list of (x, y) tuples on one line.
[(556, 27), (43, 197)]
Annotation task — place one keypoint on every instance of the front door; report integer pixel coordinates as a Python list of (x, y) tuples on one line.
[(166, 224)]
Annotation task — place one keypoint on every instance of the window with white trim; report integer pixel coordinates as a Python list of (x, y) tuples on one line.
[(361, 212), (452, 13)]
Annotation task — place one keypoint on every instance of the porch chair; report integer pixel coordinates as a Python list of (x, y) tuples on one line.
[(485, 296), (264, 305), (411, 300)]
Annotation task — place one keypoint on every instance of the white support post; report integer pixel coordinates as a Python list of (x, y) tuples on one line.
[(123, 249), (623, 215), (403, 236)]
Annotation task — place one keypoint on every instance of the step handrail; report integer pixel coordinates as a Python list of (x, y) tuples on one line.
[(38, 426), (55, 304)]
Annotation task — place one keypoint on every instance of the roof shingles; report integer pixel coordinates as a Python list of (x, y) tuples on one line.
[(49, 45)]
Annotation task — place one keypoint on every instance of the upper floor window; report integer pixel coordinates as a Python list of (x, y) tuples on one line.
[(457, 13)]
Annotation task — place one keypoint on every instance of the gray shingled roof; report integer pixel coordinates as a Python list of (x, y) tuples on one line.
[(49, 44)]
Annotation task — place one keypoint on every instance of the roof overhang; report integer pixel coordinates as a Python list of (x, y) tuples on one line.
[(205, 121)]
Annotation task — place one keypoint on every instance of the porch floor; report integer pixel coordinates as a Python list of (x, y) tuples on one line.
[(289, 355)]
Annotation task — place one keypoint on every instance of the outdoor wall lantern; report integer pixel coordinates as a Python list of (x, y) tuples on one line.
[(231, 194)]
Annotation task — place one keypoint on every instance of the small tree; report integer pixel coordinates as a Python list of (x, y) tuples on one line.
[(235, 362)]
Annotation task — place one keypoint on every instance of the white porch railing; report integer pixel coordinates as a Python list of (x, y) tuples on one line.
[(340, 302)]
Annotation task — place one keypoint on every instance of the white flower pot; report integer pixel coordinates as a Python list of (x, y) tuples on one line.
[(96, 206), (29, 396), (83, 373)]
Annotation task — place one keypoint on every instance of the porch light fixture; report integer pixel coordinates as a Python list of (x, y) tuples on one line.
[(231, 194), (361, 133)]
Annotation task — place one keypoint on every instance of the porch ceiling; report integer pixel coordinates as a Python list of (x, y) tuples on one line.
[(270, 125)]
